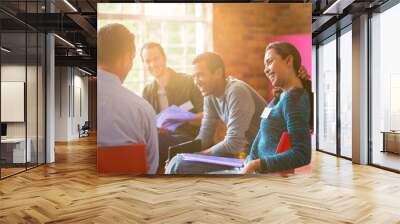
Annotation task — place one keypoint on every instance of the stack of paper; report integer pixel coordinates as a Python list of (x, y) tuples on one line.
[(172, 117)]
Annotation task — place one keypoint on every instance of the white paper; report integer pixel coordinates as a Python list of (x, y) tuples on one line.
[(173, 117), (187, 106), (266, 112)]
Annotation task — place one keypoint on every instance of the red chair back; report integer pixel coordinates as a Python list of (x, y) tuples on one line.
[(128, 159), (283, 146)]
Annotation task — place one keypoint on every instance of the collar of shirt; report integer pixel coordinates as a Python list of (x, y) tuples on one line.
[(229, 81), (171, 85), (109, 77), (284, 93)]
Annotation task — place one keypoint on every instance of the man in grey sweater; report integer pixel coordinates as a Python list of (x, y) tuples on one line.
[(228, 99)]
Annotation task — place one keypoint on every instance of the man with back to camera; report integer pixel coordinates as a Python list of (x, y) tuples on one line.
[(170, 88), (123, 117), (234, 102)]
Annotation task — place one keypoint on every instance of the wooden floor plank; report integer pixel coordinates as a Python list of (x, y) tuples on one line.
[(70, 191)]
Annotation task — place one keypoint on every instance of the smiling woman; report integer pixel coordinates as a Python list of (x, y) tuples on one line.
[(289, 113)]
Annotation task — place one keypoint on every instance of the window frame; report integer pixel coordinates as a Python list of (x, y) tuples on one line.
[(202, 17), (333, 37)]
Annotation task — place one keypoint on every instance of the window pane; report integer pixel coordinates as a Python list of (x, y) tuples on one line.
[(327, 97), (164, 9), (181, 29), (13, 80), (109, 8), (385, 87), (31, 100), (131, 8), (41, 98), (153, 31), (346, 94), (190, 9)]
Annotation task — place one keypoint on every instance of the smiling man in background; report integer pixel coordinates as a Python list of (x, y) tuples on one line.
[(170, 88)]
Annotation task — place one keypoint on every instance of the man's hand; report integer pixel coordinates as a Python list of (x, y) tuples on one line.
[(197, 121), (162, 130), (251, 167)]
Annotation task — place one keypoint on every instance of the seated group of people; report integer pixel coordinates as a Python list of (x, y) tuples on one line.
[(252, 125)]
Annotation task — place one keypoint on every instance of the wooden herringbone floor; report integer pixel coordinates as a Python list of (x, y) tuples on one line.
[(70, 191)]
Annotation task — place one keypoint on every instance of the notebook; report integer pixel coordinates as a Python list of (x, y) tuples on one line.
[(233, 162), (283, 146), (173, 117), (185, 147)]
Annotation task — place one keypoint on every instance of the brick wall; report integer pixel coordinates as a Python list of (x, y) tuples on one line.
[(241, 33)]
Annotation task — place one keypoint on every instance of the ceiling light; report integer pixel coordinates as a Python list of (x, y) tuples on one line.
[(65, 41), (5, 50), (337, 7), (86, 72), (71, 6)]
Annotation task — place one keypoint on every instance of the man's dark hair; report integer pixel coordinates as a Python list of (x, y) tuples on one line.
[(213, 61), (149, 45), (113, 41)]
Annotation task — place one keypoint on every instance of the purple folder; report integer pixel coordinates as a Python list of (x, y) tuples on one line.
[(173, 117), (213, 159)]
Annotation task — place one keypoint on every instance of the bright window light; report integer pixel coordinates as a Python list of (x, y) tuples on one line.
[(183, 30)]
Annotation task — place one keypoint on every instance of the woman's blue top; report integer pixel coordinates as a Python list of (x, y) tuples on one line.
[(291, 114)]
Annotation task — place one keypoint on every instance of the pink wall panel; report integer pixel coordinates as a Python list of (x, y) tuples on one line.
[(303, 44)]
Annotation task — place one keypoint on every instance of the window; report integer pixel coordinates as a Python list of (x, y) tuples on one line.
[(183, 30), (314, 73), (22, 67), (346, 94), (327, 96), (385, 85)]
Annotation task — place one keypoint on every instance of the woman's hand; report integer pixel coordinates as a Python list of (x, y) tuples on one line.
[(251, 167)]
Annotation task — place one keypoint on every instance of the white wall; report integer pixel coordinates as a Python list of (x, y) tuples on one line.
[(12, 73), (81, 100), (70, 84), (33, 127), (61, 103)]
